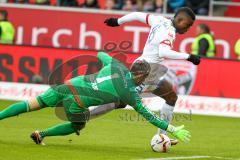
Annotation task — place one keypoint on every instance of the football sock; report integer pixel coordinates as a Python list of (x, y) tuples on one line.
[(58, 130), (166, 114), (14, 109)]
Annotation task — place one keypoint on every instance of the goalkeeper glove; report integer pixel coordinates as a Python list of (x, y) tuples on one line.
[(194, 59), (112, 22), (180, 133)]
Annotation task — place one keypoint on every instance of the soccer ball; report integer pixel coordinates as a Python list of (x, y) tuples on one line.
[(160, 143)]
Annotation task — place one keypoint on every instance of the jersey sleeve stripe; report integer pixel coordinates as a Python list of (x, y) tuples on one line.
[(147, 19)]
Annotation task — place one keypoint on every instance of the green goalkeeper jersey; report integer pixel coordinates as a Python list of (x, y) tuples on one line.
[(113, 83)]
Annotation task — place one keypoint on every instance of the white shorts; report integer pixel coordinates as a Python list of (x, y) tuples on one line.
[(156, 74)]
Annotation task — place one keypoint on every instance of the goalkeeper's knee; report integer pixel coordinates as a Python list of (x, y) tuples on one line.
[(34, 104)]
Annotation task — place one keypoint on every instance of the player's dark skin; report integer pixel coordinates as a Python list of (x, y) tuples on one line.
[(139, 78), (182, 23), (165, 91)]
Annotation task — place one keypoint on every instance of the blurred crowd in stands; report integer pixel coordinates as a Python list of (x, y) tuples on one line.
[(200, 7)]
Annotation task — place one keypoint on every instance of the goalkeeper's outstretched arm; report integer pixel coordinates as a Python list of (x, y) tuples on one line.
[(178, 132)]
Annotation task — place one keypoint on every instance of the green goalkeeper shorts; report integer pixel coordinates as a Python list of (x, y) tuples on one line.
[(60, 96)]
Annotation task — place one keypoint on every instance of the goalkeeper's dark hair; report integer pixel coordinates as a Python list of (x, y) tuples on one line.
[(140, 67), (188, 11)]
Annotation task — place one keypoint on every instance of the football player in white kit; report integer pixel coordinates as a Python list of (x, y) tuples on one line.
[(158, 47)]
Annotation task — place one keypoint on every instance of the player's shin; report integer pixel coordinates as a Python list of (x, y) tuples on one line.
[(166, 114), (21, 107), (14, 109), (165, 91), (58, 130)]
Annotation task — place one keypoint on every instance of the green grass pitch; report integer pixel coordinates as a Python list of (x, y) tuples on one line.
[(117, 135)]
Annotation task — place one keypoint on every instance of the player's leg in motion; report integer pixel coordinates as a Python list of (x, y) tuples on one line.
[(57, 130), (165, 91), (20, 107), (66, 128), (48, 98)]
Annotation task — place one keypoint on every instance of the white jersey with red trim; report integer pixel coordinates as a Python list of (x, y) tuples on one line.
[(158, 45), (160, 39), (161, 33)]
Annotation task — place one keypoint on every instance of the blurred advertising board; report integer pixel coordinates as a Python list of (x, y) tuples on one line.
[(213, 77), (186, 104), (81, 28)]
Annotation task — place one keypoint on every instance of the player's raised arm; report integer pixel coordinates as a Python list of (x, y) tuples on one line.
[(104, 58), (134, 16)]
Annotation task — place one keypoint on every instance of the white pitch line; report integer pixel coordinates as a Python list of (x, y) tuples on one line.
[(173, 158), (226, 158), (188, 157)]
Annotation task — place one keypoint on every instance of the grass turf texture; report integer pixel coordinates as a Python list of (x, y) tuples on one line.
[(117, 135)]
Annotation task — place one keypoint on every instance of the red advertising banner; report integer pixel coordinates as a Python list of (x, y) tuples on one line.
[(218, 78), (78, 28), (21, 63)]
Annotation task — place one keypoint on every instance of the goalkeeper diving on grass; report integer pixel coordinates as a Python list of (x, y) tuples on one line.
[(114, 83)]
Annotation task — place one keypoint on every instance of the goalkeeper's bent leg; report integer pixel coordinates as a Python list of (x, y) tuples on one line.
[(62, 129)]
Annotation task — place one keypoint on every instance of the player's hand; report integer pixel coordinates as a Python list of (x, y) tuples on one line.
[(180, 133), (194, 59), (112, 22)]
